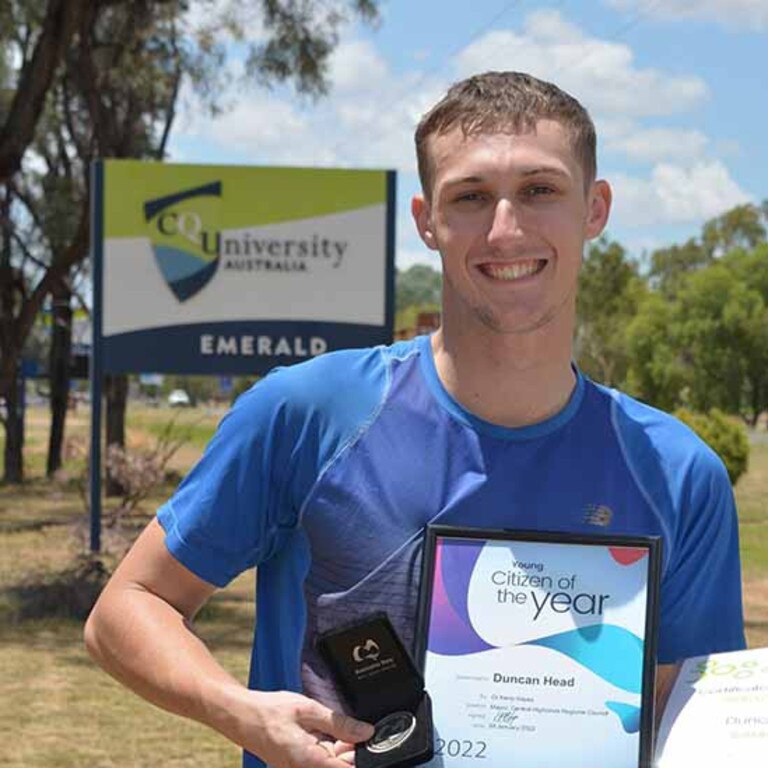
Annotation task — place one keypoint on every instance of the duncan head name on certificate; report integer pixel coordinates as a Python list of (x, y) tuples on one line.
[(538, 648)]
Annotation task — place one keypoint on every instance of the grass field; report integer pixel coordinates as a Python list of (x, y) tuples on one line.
[(58, 711)]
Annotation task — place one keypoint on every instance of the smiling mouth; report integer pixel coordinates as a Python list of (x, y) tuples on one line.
[(513, 271)]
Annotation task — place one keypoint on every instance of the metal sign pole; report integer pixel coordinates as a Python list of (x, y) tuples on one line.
[(97, 244)]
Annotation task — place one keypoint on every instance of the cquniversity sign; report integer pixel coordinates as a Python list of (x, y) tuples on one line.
[(223, 270)]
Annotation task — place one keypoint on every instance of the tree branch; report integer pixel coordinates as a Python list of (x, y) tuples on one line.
[(170, 115), (29, 203), (61, 20), (28, 255), (75, 252)]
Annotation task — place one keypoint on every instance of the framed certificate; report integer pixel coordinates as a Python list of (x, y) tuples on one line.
[(538, 649)]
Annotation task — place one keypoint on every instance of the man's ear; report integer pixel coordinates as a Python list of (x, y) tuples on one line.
[(422, 216), (600, 198)]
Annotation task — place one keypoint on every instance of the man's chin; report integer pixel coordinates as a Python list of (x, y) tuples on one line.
[(512, 324)]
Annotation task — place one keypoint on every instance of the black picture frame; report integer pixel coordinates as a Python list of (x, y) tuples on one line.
[(653, 544)]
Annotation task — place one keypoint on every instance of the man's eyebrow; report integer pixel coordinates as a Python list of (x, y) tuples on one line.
[(464, 180), (538, 170), (549, 170)]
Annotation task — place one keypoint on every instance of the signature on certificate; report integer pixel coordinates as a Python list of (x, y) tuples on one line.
[(506, 717)]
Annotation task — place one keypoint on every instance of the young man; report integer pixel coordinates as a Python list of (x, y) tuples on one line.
[(325, 474)]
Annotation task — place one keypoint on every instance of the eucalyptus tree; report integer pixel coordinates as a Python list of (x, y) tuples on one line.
[(107, 75), (610, 289), (39, 33)]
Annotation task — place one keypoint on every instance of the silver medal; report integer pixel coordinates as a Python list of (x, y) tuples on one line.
[(391, 732)]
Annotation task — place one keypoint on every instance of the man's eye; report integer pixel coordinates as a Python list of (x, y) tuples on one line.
[(470, 197), (539, 190)]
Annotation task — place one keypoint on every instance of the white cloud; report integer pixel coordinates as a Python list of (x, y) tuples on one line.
[(614, 127), (600, 73), (366, 120), (742, 14), (654, 144), (638, 247), (221, 16), (406, 257), (357, 67), (675, 195), (263, 121), (369, 116)]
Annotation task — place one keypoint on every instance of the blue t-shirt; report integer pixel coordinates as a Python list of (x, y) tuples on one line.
[(325, 474)]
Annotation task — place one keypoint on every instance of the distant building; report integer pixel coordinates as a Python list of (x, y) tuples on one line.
[(426, 322)]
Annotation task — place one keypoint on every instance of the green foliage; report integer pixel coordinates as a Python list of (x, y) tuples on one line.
[(656, 372), (670, 266), (720, 325), (419, 285), (6, 92), (609, 292), (740, 227), (407, 319), (726, 436), (242, 384), (301, 37), (701, 337), (199, 388)]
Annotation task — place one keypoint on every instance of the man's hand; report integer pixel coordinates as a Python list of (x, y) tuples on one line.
[(288, 730)]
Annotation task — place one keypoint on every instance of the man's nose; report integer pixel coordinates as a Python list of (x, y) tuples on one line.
[(506, 223)]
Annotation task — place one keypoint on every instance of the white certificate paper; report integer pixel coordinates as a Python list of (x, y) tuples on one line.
[(535, 653), (717, 713)]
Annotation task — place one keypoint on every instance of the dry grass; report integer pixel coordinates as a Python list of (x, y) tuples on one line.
[(752, 503), (64, 713), (59, 711)]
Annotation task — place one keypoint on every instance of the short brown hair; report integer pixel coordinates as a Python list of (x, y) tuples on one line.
[(502, 101)]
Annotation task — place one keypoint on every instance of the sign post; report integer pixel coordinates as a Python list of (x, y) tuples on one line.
[(225, 270)]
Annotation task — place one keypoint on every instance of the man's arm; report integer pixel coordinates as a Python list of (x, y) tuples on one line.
[(666, 674), (140, 632)]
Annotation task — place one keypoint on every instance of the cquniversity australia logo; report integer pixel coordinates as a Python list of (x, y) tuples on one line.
[(186, 247)]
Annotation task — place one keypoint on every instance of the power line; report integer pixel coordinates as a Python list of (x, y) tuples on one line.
[(445, 59), (623, 29), (619, 32)]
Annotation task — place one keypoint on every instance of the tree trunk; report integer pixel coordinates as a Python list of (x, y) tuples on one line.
[(58, 373), (757, 400), (10, 288), (14, 433), (116, 387), (61, 20)]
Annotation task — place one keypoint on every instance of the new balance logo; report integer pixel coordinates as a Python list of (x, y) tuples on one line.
[(598, 514)]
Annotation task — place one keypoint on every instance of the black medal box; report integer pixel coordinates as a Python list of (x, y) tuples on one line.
[(381, 684)]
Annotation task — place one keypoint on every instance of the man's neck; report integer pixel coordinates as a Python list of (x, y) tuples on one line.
[(506, 379)]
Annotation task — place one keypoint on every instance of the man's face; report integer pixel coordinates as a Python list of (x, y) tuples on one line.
[(509, 214)]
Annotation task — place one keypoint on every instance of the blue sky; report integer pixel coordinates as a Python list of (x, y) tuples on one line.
[(677, 88)]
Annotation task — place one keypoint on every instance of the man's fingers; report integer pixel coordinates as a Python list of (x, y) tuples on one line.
[(330, 757), (340, 747), (340, 726)]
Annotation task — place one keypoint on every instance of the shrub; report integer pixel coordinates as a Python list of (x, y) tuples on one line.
[(137, 472), (727, 436)]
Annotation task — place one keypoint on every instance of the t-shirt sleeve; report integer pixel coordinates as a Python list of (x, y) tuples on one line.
[(701, 609), (234, 507), (243, 500)]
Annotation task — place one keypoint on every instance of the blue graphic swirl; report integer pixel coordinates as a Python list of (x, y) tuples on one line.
[(611, 652), (627, 713)]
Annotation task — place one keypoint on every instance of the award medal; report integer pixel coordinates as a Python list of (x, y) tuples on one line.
[(391, 732)]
